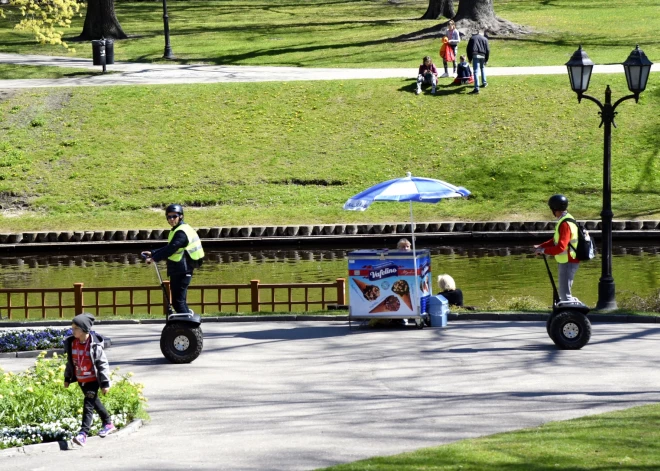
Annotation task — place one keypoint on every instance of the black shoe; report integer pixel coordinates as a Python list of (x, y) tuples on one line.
[(473, 92), (484, 85)]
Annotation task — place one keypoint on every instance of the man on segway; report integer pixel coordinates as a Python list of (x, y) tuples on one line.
[(183, 252), (568, 325), (181, 340), (562, 246)]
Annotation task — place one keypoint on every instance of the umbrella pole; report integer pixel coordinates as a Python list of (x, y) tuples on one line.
[(412, 235)]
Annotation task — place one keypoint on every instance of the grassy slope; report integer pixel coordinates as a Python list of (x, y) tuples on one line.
[(294, 152), (314, 33), (622, 440)]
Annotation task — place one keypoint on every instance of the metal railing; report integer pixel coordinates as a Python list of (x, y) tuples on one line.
[(113, 300)]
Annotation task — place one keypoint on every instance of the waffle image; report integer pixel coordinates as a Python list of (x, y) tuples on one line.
[(389, 304), (370, 292), (401, 288)]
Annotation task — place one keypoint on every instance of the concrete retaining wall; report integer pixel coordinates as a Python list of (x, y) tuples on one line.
[(295, 231)]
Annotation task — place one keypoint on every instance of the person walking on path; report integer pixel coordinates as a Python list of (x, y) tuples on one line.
[(183, 252), (87, 364), (427, 74), (478, 52), (562, 246), (453, 38)]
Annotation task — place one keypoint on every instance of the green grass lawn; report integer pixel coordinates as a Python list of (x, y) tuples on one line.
[(625, 440), (12, 72), (362, 33), (277, 153)]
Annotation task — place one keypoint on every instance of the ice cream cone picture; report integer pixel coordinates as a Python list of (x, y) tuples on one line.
[(370, 292), (389, 304), (401, 288)]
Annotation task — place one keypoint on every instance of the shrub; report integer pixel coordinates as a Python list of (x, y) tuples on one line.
[(635, 302), (32, 339), (520, 303), (37, 408)]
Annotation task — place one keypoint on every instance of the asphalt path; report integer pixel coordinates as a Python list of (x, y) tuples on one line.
[(134, 73), (298, 396)]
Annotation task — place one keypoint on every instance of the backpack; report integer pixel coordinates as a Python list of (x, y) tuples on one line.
[(586, 249)]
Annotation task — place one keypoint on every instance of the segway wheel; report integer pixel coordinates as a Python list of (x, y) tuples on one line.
[(181, 343), (570, 330)]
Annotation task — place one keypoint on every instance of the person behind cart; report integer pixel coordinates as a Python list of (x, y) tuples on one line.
[(453, 295), (404, 244)]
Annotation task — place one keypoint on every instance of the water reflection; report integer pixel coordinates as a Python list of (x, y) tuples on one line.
[(482, 271)]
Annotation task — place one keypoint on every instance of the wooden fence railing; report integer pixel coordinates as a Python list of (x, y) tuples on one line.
[(249, 297)]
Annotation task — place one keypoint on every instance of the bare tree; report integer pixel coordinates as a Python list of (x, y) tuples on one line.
[(101, 21), (439, 7)]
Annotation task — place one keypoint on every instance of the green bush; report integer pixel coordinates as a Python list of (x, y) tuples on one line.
[(37, 408)]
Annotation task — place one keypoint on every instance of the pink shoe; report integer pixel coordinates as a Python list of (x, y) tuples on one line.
[(107, 430)]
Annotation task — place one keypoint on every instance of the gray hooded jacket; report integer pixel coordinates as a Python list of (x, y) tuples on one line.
[(99, 360)]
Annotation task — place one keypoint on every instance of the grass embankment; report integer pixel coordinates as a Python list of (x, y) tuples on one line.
[(622, 440), (336, 33), (277, 153)]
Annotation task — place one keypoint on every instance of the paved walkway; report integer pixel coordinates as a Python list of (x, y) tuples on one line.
[(150, 74), (298, 396)]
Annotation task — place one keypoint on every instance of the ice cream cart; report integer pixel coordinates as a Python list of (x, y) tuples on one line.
[(389, 284)]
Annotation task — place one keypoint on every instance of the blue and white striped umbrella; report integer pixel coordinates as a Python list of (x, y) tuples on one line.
[(409, 188)]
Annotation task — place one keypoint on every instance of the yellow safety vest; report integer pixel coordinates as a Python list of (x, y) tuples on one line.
[(563, 257), (194, 247)]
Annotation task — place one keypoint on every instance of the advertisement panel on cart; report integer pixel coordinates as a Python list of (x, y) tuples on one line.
[(381, 283)]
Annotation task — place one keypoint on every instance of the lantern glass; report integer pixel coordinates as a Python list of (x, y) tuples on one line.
[(579, 71), (637, 68)]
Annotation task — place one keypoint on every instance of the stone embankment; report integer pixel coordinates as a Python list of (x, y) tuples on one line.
[(455, 230)]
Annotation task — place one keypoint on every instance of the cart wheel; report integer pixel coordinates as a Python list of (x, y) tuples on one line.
[(181, 343), (419, 323), (427, 321), (570, 330)]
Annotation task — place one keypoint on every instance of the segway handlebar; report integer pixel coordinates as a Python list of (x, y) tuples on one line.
[(162, 285)]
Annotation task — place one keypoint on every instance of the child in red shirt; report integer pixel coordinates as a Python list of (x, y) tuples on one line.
[(88, 365)]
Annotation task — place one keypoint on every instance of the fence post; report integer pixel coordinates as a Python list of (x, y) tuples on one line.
[(341, 291), (78, 302), (254, 295), (167, 300)]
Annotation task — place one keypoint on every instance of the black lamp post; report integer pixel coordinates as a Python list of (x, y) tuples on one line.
[(166, 25), (637, 68)]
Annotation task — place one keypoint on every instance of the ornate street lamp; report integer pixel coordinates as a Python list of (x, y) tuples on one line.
[(166, 25), (637, 68)]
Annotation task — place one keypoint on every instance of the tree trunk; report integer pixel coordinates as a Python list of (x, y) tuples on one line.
[(101, 21), (440, 7), (479, 15), (475, 10)]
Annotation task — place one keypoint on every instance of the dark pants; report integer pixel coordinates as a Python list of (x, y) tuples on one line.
[(179, 288), (92, 403)]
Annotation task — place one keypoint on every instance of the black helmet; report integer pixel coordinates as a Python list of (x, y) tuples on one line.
[(174, 208), (558, 203)]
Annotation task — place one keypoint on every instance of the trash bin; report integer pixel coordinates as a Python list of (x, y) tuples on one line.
[(98, 52), (438, 310), (109, 51)]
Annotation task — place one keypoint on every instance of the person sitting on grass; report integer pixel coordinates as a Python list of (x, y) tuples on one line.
[(448, 289), (427, 75), (464, 74), (87, 365)]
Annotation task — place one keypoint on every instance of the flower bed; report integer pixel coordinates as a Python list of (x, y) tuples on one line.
[(32, 339), (37, 408)]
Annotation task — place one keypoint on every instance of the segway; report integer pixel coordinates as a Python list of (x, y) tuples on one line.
[(568, 325), (181, 340)]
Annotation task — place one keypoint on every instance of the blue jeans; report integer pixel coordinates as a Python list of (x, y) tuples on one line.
[(479, 65)]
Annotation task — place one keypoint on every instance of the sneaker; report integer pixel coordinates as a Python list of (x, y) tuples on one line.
[(80, 439), (474, 92), (418, 91), (484, 85), (444, 75), (107, 430)]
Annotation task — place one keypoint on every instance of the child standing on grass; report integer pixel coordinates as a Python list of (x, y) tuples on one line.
[(86, 364)]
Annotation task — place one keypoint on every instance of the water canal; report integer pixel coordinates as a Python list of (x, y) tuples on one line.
[(481, 271)]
